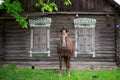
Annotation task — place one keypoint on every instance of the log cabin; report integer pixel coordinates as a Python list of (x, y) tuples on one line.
[(94, 26)]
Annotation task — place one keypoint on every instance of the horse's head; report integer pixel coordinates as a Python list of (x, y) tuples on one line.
[(63, 37)]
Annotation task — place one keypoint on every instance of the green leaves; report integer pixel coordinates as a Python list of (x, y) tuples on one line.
[(67, 2), (49, 6), (22, 21), (1, 6), (14, 8)]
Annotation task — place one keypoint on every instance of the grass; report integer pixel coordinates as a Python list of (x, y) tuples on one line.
[(11, 72)]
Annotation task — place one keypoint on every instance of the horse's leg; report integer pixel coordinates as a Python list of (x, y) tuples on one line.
[(65, 61), (68, 65), (60, 65)]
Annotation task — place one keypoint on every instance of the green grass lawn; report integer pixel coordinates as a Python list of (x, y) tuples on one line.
[(13, 73)]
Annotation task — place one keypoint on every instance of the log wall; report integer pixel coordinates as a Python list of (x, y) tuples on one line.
[(77, 6), (17, 42), (104, 36), (118, 40), (1, 43)]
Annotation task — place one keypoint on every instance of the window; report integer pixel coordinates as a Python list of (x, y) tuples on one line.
[(84, 36), (40, 36)]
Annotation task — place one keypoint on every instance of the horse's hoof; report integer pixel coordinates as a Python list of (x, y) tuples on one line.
[(68, 74)]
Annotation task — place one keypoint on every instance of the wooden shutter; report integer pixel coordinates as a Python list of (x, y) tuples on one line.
[(85, 42), (84, 36), (40, 35), (40, 40), (40, 44)]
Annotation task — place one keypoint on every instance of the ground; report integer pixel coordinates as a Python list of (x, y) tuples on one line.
[(12, 72)]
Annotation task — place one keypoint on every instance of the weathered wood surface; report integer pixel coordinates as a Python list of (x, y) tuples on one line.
[(104, 35), (74, 65), (77, 5), (1, 42), (40, 40), (17, 41), (118, 41), (86, 39)]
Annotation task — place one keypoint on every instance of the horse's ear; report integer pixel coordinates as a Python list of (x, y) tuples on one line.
[(61, 31)]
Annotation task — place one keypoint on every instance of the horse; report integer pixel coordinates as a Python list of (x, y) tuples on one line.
[(65, 50)]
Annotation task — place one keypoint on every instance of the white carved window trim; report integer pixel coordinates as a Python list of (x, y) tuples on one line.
[(84, 23), (38, 23)]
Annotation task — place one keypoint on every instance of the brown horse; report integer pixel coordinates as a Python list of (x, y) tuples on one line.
[(65, 50)]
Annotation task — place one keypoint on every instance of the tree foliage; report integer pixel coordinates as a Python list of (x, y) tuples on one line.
[(14, 8), (50, 6)]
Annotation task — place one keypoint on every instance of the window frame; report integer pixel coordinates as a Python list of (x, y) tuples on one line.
[(41, 22), (84, 23), (32, 42)]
